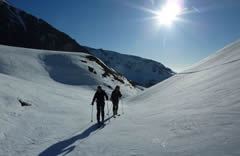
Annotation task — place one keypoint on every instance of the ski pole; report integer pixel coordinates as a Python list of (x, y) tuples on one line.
[(108, 109), (92, 114), (122, 107)]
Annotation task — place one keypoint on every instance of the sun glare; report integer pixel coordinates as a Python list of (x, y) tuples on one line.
[(169, 13)]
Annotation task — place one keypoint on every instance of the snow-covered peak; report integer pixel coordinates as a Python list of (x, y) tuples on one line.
[(142, 71)]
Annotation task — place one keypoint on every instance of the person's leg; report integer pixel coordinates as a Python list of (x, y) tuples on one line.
[(102, 111), (113, 108), (98, 112), (116, 108)]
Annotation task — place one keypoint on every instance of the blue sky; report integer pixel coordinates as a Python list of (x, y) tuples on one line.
[(126, 26)]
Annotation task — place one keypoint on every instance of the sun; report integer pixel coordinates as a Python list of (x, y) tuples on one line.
[(169, 13)]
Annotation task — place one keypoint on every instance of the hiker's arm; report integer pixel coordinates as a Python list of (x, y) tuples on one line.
[(94, 98), (120, 95), (111, 96)]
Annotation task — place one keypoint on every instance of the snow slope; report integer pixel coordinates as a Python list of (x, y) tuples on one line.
[(45, 67), (198, 112), (142, 71), (60, 87), (193, 113)]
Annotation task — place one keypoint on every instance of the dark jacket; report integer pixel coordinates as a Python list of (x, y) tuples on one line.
[(115, 96), (100, 97)]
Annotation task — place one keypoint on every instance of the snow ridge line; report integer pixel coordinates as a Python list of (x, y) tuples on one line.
[(192, 72)]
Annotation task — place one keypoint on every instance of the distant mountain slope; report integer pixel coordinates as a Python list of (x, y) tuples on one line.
[(75, 69), (142, 71), (18, 28)]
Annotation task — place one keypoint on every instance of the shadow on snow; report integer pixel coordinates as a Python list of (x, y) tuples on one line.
[(63, 69), (65, 145)]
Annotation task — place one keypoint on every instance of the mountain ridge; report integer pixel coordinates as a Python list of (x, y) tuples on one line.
[(21, 29), (142, 71)]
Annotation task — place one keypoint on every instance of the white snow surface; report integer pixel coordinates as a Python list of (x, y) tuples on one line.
[(194, 113)]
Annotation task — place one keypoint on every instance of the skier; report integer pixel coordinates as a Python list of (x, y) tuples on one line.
[(99, 96), (116, 94)]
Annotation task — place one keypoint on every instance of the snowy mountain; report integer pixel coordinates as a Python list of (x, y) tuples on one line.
[(74, 69), (142, 71), (195, 112), (18, 28)]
